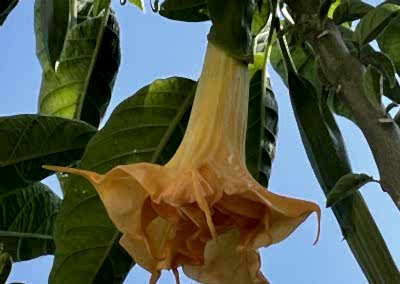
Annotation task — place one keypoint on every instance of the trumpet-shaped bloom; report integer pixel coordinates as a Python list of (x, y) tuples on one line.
[(202, 210)]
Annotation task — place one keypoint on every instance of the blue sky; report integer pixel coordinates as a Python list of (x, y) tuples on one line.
[(153, 47)]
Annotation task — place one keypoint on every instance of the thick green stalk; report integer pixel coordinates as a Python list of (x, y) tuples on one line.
[(326, 151), (369, 247)]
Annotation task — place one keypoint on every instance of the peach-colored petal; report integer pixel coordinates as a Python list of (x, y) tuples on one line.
[(225, 262), (173, 235), (202, 210)]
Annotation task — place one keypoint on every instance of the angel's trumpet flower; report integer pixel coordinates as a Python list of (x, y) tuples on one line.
[(202, 210)]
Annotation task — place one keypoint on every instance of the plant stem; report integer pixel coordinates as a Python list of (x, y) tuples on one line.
[(342, 68), (368, 245), (357, 225)]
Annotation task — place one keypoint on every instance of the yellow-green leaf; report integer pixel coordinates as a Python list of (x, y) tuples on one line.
[(81, 85), (350, 11), (138, 3), (346, 186), (375, 22)]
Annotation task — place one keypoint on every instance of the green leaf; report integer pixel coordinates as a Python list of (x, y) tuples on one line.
[(138, 3), (26, 225), (373, 85), (397, 2), (320, 135), (391, 93), (6, 6), (100, 5), (231, 29), (327, 154), (350, 11), (346, 186), (260, 17), (337, 106), (147, 127), (30, 141), (185, 10), (391, 106), (375, 22), (258, 63), (333, 7), (389, 42), (277, 62), (262, 129), (52, 18), (303, 61), (383, 63), (5, 266), (82, 84)]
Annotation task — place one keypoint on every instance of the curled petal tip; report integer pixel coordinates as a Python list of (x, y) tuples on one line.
[(91, 176), (319, 225), (54, 168), (154, 277), (176, 275)]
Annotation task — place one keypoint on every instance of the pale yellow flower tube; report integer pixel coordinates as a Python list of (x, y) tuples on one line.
[(202, 210)]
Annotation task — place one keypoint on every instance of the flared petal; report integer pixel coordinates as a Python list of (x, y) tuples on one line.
[(203, 210), (165, 228), (225, 262)]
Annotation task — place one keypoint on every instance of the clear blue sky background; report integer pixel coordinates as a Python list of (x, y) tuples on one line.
[(153, 47)]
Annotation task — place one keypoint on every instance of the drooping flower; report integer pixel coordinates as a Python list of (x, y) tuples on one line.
[(202, 210)]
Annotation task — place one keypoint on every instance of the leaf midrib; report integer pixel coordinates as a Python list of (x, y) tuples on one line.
[(37, 156), (27, 203), (127, 129), (24, 235)]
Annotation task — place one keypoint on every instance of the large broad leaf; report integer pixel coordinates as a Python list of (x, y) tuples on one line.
[(185, 10), (383, 63), (303, 61), (326, 152), (349, 11), (375, 22), (311, 121), (30, 141), (389, 42), (6, 6), (82, 84), (52, 18), (26, 225), (260, 17), (262, 129), (146, 127)]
